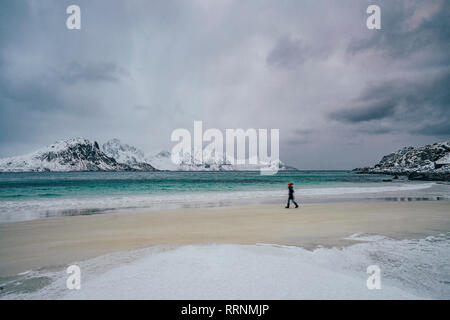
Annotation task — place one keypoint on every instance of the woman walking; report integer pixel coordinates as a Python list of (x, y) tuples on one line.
[(291, 195)]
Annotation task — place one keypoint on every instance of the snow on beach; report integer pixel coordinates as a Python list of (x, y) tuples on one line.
[(410, 269)]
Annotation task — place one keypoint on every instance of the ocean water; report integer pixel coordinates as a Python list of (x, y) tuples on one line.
[(29, 196)]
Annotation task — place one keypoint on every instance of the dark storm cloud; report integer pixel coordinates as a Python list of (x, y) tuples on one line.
[(377, 130), (421, 106), (378, 109), (43, 91), (290, 52), (408, 29), (8, 18), (287, 53), (440, 128), (36, 93), (75, 72), (416, 36)]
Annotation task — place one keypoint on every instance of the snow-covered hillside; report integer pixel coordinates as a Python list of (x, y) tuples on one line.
[(66, 155), (129, 155), (162, 161)]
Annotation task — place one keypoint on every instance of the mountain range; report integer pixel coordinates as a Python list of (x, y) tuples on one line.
[(81, 154)]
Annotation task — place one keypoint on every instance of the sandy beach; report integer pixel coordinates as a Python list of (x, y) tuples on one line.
[(59, 241)]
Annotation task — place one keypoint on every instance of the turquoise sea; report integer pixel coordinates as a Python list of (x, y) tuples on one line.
[(35, 195)]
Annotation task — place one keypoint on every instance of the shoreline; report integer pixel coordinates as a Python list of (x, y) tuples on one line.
[(36, 244), (35, 209)]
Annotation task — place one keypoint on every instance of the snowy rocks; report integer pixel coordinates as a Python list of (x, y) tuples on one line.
[(430, 162)]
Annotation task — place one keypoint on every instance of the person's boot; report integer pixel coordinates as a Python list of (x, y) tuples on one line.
[(296, 205), (287, 207)]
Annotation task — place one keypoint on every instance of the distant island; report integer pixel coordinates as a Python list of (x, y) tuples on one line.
[(80, 154), (430, 162)]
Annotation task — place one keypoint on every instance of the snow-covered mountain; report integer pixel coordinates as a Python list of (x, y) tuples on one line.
[(126, 154), (84, 155), (430, 162), (66, 155), (163, 161)]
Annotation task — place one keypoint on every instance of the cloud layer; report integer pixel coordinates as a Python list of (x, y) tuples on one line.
[(341, 95)]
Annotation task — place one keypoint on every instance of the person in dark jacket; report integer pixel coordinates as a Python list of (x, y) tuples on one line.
[(291, 195)]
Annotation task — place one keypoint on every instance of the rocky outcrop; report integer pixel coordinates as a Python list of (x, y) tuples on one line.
[(431, 162)]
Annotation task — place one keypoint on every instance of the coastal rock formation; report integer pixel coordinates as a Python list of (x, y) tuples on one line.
[(431, 162)]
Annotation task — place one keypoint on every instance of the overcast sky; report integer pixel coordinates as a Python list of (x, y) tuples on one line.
[(341, 95)]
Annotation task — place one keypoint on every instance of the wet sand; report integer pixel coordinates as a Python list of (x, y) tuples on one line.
[(60, 241)]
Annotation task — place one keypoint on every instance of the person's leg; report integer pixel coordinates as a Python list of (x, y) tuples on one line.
[(296, 205), (288, 203)]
